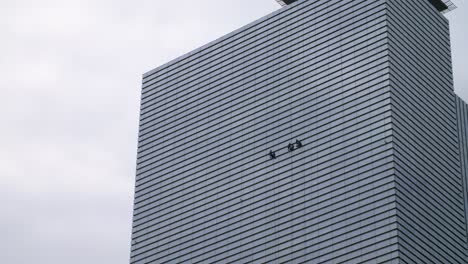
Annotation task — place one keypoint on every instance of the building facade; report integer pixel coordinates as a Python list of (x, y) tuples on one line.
[(325, 132)]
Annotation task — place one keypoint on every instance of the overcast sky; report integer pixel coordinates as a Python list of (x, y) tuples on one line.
[(69, 100)]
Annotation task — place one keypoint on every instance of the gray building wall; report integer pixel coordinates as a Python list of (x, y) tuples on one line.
[(462, 113), (367, 183), (431, 219)]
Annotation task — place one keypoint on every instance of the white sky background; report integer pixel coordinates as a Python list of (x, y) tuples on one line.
[(70, 75)]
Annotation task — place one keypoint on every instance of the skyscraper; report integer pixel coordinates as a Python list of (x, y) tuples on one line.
[(325, 132)]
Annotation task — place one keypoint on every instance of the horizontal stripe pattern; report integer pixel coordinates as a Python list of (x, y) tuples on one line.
[(462, 117), (430, 207), (206, 191)]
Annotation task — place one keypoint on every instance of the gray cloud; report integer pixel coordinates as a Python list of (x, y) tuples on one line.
[(70, 88)]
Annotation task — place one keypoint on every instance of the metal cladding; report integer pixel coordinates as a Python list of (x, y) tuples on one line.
[(429, 184), (317, 134), (462, 114)]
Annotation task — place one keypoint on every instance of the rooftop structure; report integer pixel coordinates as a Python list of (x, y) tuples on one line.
[(285, 2), (443, 6)]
